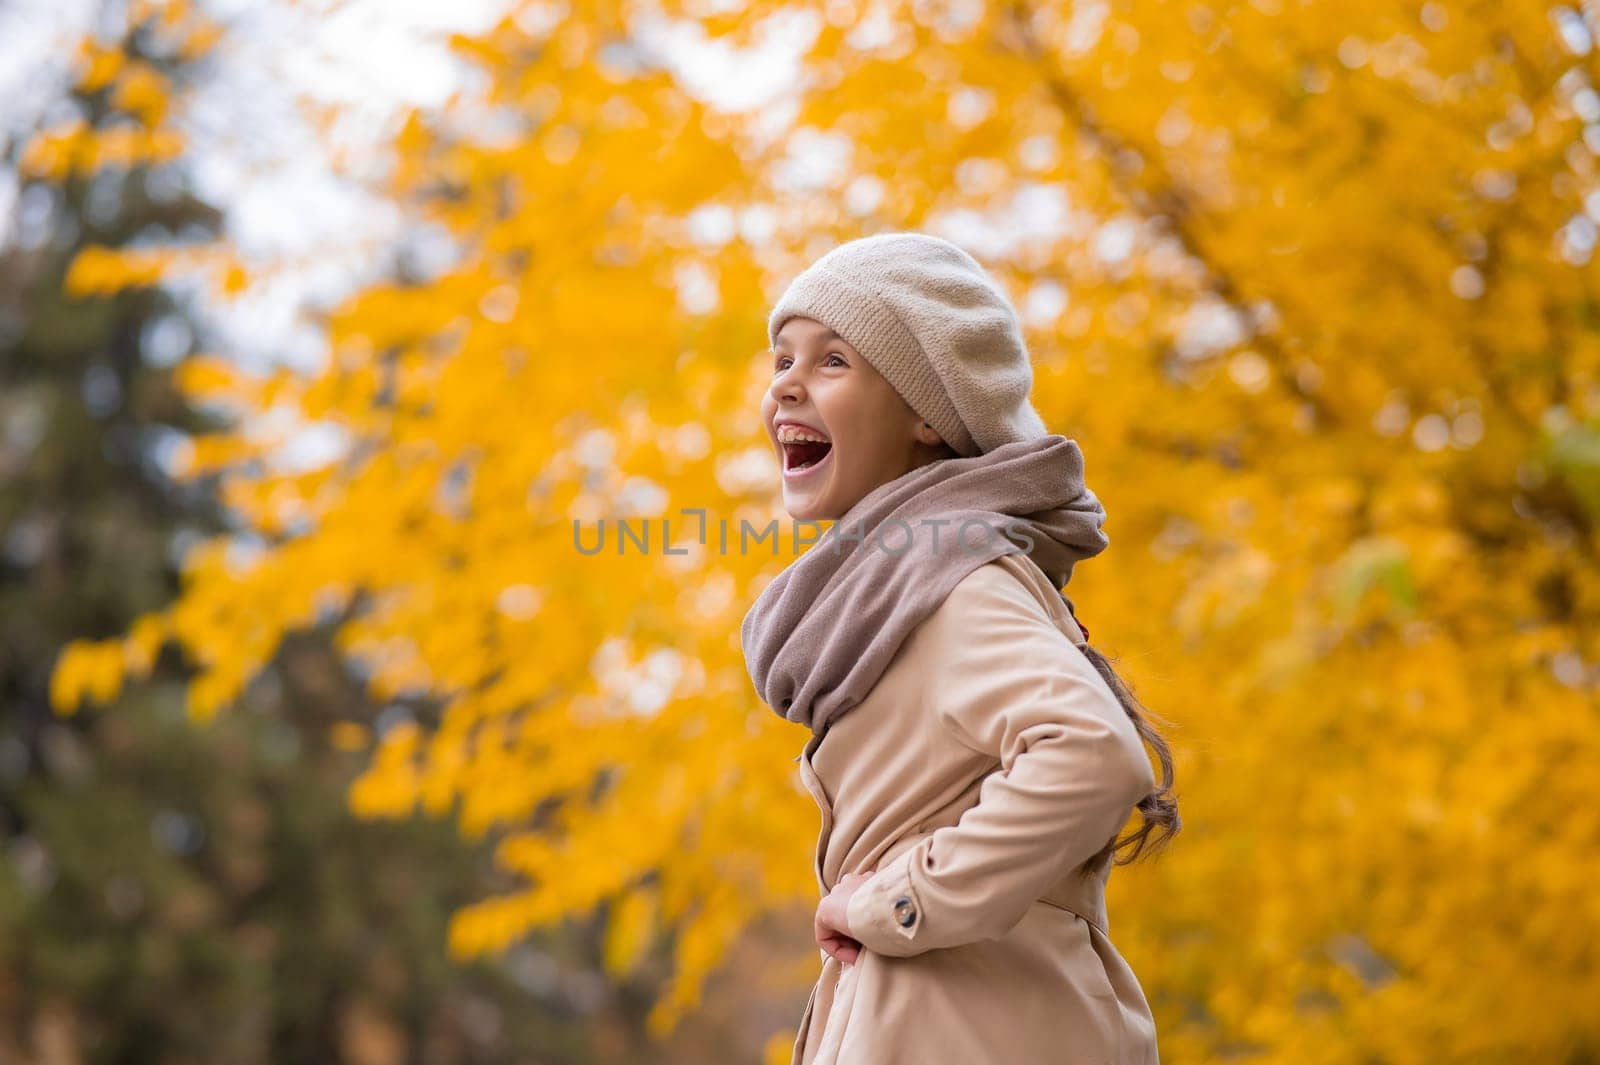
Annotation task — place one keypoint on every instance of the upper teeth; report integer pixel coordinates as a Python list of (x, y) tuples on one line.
[(791, 434)]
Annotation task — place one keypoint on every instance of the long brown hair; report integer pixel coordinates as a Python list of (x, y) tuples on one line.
[(1159, 809)]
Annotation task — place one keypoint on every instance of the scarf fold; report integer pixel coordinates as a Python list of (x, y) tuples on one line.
[(826, 628)]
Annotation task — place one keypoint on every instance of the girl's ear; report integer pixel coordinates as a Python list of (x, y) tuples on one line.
[(927, 434)]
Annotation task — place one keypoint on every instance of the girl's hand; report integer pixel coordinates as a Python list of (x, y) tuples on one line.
[(832, 926)]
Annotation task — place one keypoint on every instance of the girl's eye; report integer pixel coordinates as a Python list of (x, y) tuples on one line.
[(783, 360)]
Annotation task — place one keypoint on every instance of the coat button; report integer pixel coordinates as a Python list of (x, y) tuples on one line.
[(905, 913)]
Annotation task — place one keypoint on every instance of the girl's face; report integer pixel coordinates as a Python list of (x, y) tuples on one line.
[(868, 434)]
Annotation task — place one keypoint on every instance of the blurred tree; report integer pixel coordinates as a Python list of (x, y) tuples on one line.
[(1312, 285), (171, 893)]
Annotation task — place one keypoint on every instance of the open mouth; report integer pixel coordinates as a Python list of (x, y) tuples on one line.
[(803, 455)]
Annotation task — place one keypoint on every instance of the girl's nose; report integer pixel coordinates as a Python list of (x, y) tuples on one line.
[(787, 385)]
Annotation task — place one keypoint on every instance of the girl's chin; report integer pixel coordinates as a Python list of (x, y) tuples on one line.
[(808, 506), (802, 506)]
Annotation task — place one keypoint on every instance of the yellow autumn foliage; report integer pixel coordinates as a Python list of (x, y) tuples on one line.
[(1311, 284), (139, 128)]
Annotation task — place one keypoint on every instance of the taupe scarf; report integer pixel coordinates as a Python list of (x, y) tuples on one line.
[(824, 630)]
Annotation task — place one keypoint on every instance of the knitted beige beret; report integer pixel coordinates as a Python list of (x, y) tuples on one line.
[(938, 328)]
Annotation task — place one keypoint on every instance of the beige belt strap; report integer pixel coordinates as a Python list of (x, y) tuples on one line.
[(1082, 895)]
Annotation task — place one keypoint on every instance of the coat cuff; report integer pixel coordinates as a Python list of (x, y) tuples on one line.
[(884, 913)]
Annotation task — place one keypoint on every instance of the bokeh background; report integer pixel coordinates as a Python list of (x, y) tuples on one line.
[(323, 321)]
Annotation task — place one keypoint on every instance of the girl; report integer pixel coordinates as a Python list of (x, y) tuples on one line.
[(981, 756)]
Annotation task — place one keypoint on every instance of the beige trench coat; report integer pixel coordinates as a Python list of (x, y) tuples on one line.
[(987, 765)]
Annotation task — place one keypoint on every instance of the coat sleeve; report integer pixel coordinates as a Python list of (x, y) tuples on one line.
[(1008, 683)]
